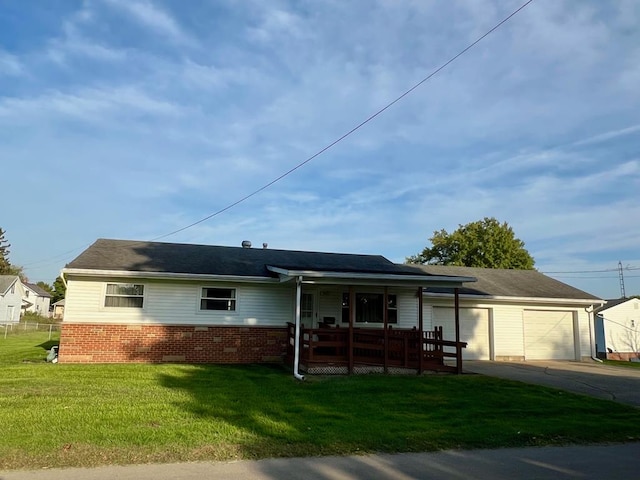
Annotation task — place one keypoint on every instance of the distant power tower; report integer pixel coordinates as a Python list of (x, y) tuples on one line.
[(621, 275)]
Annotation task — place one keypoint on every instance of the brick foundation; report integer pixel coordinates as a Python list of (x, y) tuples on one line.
[(100, 343)]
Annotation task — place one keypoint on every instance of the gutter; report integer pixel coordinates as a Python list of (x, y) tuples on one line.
[(503, 298), (86, 272), (592, 327), (296, 341)]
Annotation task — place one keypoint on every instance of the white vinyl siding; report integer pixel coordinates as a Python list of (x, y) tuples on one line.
[(329, 304), (407, 308), (506, 329), (178, 303), (10, 304), (38, 304), (621, 326), (474, 329), (549, 335)]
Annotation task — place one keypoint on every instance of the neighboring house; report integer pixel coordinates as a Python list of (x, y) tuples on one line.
[(514, 315), (10, 299), (148, 301), (58, 309), (145, 301), (35, 299), (618, 329)]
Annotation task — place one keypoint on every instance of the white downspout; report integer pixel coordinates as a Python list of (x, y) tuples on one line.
[(592, 328), (296, 342)]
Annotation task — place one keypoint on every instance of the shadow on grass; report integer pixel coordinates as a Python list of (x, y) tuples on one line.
[(273, 412), (267, 413), (275, 415)]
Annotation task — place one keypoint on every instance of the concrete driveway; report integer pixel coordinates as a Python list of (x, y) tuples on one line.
[(595, 379)]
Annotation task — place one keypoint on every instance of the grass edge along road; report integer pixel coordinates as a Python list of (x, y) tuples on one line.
[(87, 415)]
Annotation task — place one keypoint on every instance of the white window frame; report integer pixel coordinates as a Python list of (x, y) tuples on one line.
[(233, 299), (106, 294)]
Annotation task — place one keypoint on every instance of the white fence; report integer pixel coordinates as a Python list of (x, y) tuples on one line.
[(18, 328)]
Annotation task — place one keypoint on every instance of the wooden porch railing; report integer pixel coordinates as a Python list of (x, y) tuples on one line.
[(330, 345)]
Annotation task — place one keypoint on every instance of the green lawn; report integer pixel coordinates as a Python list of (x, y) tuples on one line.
[(84, 415), (618, 363), (21, 346)]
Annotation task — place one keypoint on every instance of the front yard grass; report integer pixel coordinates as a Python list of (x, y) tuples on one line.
[(87, 415), (619, 363)]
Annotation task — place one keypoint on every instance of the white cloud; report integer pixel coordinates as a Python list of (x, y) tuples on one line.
[(10, 65), (91, 104), (155, 19), (603, 137), (153, 134)]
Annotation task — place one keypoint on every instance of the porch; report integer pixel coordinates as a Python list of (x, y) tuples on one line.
[(335, 350)]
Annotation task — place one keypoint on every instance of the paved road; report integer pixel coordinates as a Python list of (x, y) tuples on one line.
[(590, 462), (603, 381)]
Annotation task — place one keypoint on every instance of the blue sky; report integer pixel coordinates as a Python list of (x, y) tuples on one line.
[(134, 118)]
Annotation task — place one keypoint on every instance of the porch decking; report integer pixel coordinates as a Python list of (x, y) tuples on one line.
[(336, 350)]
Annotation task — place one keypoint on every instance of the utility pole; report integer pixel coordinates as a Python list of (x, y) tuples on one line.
[(620, 274)]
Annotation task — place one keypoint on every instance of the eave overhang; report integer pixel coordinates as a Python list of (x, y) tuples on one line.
[(507, 299), (86, 272), (361, 278)]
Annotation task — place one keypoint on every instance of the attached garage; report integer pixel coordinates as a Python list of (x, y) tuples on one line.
[(549, 335), (513, 315), (474, 329)]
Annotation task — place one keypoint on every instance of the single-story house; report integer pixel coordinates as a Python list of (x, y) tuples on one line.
[(165, 302), (618, 329), (35, 299), (11, 292), (514, 315)]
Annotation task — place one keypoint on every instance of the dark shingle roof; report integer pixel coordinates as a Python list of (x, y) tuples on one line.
[(39, 291), (5, 282), (509, 283), (127, 255)]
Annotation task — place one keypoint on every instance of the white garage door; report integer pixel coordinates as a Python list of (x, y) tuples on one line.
[(548, 335), (474, 329)]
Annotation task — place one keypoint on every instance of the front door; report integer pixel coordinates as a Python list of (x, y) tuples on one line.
[(307, 309)]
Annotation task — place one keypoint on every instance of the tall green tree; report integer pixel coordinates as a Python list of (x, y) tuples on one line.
[(4, 254), (59, 290), (6, 268), (485, 243)]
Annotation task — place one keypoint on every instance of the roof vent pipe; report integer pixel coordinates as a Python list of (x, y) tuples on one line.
[(265, 245), (246, 244)]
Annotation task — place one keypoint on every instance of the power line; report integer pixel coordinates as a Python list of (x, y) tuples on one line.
[(342, 137), (581, 277), (353, 130), (52, 259), (593, 271)]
